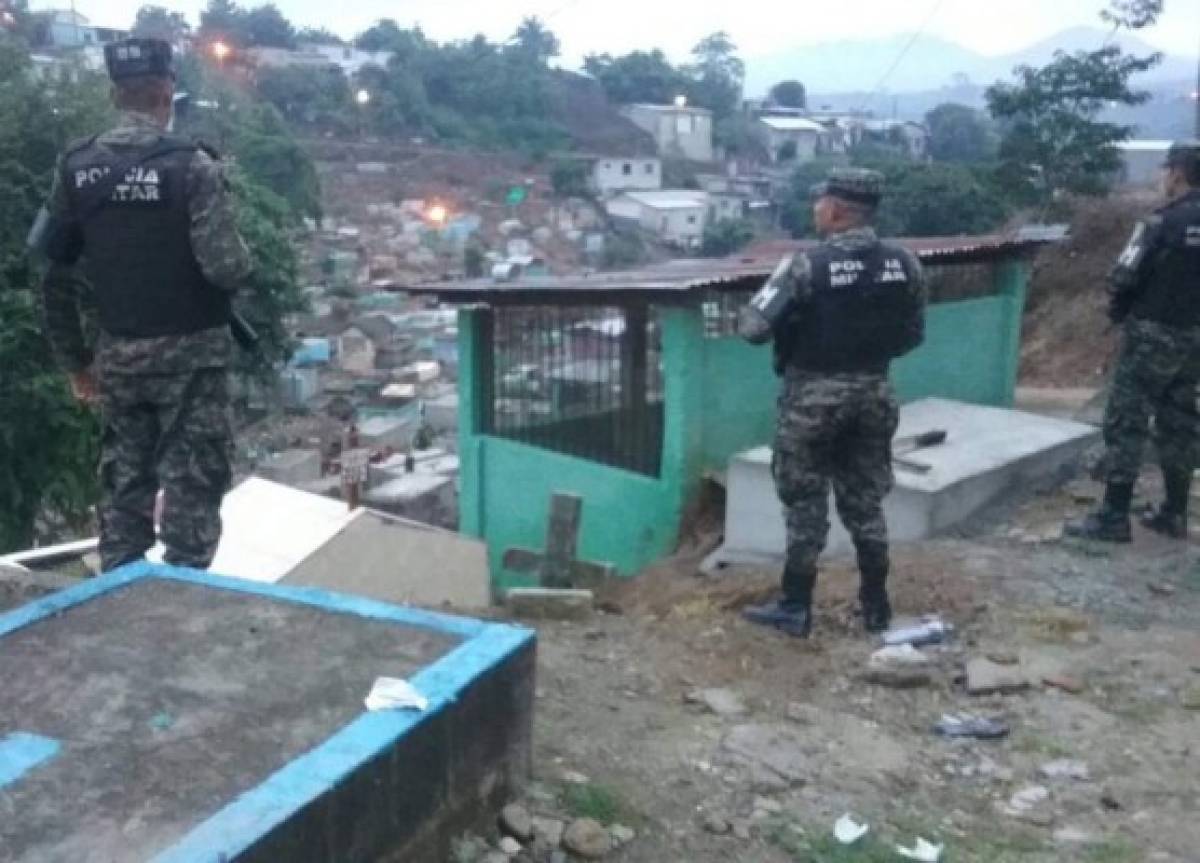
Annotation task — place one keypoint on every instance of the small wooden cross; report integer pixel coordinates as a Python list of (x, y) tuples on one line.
[(558, 567)]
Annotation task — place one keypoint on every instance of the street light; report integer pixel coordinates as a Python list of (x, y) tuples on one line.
[(681, 101), (220, 50), (363, 97), (437, 214)]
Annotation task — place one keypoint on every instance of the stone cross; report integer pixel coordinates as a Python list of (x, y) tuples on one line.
[(558, 567)]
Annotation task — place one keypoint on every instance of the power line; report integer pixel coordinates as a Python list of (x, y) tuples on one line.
[(917, 34)]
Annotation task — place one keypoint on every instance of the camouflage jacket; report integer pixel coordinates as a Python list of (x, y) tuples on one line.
[(216, 244), (796, 276)]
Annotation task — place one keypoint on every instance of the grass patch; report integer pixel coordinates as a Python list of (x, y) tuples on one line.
[(1035, 744), (600, 803), (823, 848), (1114, 851), (1057, 625)]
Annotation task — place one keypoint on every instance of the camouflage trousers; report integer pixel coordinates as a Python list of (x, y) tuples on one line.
[(834, 430), (1155, 383), (168, 432)]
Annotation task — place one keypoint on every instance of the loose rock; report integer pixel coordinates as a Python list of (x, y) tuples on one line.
[(773, 753), (987, 678), (510, 846), (717, 825), (900, 667), (721, 702), (1065, 769), (548, 830), (516, 822), (587, 839), (622, 835)]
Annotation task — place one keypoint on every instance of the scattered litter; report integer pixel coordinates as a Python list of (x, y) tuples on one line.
[(931, 630), (899, 654), (390, 693), (1065, 769), (969, 725), (162, 721), (1066, 684), (923, 851), (848, 831), (1028, 799)]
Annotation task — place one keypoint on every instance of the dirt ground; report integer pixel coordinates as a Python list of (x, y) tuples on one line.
[(617, 739)]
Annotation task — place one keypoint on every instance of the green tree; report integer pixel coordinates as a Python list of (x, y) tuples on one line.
[(789, 94), (222, 19), (309, 95), (47, 442), (641, 76), (717, 75), (318, 36), (160, 23), (384, 35), (267, 27), (569, 178), (958, 133), (535, 42), (725, 237), (1053, 140), (934, 200)]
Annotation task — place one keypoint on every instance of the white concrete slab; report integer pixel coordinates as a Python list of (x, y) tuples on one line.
[(988, 451)]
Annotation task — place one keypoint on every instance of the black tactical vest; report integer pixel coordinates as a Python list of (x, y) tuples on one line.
[(863, 313), (1170, 292), (137, 250)]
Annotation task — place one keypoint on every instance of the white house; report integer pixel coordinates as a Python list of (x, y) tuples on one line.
[(349, 59), (1141, 161), (675, 216), (800, 135), (68, 29), (612, 175), (678, 130)]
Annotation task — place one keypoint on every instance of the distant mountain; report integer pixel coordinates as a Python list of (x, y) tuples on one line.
[(931, 63)]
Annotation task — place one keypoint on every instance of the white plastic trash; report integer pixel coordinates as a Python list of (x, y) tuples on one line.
[(391, 693), (922, 852), (848, 831)]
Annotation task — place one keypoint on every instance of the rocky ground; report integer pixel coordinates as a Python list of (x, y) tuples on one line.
[(704, 739)]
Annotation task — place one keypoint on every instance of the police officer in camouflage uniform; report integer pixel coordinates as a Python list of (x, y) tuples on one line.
[(162, 258), (838, 315), (1155, 294)]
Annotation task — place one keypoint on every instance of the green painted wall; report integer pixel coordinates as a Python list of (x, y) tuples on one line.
[(629, 520), (720, 400), (972, 347), (740, 391)]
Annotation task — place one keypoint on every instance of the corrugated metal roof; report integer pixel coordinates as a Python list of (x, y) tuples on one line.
[(676, 279), (792, 124)]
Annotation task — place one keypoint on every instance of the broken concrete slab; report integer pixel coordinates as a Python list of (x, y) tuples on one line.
[(544, 603), (721, 702), (985, 677), (988, 451), (281, 535), (772, 752), (193, 717)]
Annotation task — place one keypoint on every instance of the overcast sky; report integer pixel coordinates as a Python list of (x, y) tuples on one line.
[(618, 26)]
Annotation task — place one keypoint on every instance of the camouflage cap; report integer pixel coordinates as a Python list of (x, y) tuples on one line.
[(856, 185), (1185, 155), (139, 58)]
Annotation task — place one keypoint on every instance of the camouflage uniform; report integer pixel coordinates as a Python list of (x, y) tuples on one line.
[(838, 315), (834, 429), (1156, 377), (164, 399), (1154, 295)]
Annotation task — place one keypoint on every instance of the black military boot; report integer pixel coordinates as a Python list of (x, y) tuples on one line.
[(872, 590), (1110, 523), (1170, 519), (793, 613)]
